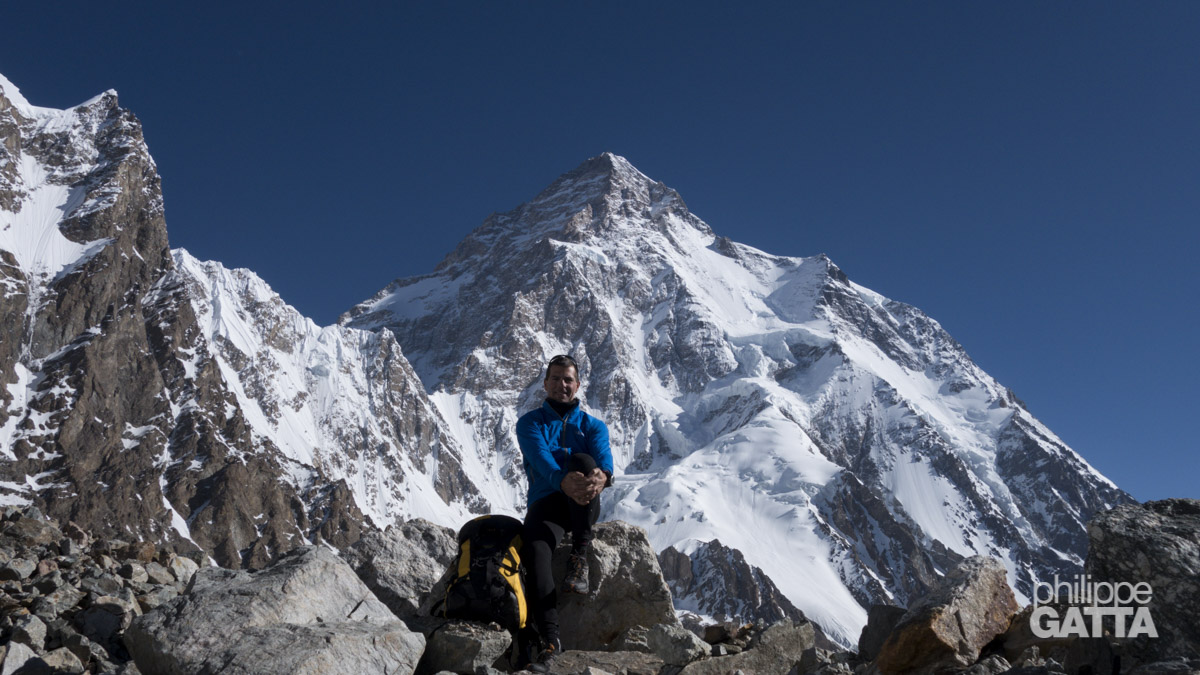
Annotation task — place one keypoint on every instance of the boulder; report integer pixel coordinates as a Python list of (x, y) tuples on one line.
[(616, 663), (632, 639), (404, 563), (676, 645), (948, 628), (881, 620), (63, 661), (627, 588), (182, 569), (307, 613), (17, 569), (1157, 543), (463, 647), (107, 618), (29, 630), (31, 532), (158, 574), (19, 658), (775, 650)]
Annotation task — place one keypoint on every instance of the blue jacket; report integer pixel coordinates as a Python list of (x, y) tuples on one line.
[(547, 440)]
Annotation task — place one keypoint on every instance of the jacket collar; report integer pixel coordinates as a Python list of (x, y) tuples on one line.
[(569, 412)]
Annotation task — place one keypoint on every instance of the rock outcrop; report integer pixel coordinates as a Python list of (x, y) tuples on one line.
[(1156, 543), (627, 588), (948, 628), (306, 613), (776, 650), (715, 580), (405, 564)]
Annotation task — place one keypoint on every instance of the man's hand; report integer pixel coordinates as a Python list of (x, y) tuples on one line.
[(581, 488), (596, 480)]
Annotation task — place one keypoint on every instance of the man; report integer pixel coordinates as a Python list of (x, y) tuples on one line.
[(568, 463)]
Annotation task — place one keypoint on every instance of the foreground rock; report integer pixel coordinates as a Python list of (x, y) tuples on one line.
[(971, 606), (627, 588), (464, 647), (307, 613), (404, 564), (1156, 543), (776, 650), (881, 621)]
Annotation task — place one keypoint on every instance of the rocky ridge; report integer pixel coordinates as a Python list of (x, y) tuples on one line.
[(70, 603), (147, 395)]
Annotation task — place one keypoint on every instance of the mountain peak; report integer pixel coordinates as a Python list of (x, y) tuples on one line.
[(604, 175), (11, 94)]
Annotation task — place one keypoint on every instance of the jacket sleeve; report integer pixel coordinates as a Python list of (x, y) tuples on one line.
[(537, 452), (597, 446)]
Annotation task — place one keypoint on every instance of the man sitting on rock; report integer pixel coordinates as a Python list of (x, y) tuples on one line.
[(568, 463)]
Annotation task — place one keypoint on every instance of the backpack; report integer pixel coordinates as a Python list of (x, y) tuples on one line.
[(487, 580)]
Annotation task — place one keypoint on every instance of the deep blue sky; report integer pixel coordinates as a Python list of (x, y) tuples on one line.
[(1028, 173)]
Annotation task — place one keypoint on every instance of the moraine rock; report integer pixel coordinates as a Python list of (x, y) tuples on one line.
[(775, 650), (676, 645), (307, 613), (972, 606), (1156, 543)]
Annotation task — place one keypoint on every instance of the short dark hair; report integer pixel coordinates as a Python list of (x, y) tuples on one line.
[(564, 361)]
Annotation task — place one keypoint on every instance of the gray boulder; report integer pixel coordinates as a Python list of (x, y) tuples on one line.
[(1156, 543), (627, 588), (775, 650), (17, 657), (404, 564), (307, 613), (463, 647), (676, 645), (947, 629)]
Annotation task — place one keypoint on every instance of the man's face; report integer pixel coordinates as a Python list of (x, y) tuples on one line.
[(561, 384)]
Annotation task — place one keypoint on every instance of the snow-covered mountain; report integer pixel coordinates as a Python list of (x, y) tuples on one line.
[(147, 395), (842, 441), (839, 442)]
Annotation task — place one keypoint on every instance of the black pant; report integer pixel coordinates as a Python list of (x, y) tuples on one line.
[(545, 524)]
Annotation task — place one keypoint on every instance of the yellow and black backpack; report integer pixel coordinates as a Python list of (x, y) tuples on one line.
[(488, 580)]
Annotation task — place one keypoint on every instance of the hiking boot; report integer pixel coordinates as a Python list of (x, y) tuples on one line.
[(551, 648), (576, 580)]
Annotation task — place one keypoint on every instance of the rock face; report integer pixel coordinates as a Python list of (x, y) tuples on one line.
[(1156, 543), (404, 564), (145, 394), (307, 613), (627, 588), (949, 627), (716, 581)]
